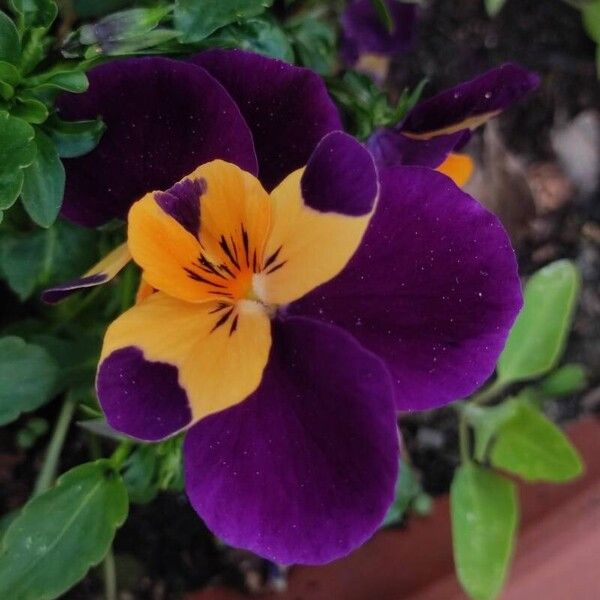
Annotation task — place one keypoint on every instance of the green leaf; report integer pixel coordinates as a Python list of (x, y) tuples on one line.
[(44, 183), (567, 380), (256, 35), (140, 474), (87, 9), (197, 20), (534, 448), (59, 78), (314, 42), (10, 43), (30, 261), (384, 15), (60, 534), (537, 339), (484, 515), (590, 13), (35, 13), (30, 110), (493, 7), (27, 377), (407, 490), (75, 138), (486, 421), (17, 150), (9, 73)]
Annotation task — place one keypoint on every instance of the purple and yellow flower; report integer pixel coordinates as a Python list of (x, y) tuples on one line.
[(295, 301), (367, 44), (435, 130)]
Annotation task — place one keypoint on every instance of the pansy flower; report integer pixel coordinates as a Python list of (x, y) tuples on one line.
[(367, 43), (295, 298), (436, 129)]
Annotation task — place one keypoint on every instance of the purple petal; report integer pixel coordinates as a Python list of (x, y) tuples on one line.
[(364, 32), (433, 289), (303, 471), (340, 177), (64, 290), (164, 118), (472, 102), (182, 202), (287, 108), (391, 148), (141, 398)]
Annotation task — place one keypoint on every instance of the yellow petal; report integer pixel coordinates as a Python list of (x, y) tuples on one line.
[(306, 247), (459, 167), (220, 350)]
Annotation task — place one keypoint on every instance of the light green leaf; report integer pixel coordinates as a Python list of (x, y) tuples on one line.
[(10, 44), (534, 448), (27, 376), (484, 515), (35, 13), (9, 73), (44, 183), (17, 150), (314, 42), (537, 339), (590, 13), (197, 20), (567, 380), (75, 138), (493, 7), (60, 534)]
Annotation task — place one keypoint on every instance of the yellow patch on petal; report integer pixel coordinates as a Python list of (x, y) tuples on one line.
[(376, 65), (235, 215), (220, 350), (111, 264), (459, 167), (469, 123), (306, 247)]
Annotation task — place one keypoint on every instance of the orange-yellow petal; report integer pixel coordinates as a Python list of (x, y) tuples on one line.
[(320, 214), (459, 167), (219, 350)]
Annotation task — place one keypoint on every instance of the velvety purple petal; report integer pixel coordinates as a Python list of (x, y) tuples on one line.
[(302, 471), (287, 108), (364, 32), (141, 398), (64, 290), (390, 148), (486, 94), (433, 289), (182, 202), (340, 176), (164, 118)]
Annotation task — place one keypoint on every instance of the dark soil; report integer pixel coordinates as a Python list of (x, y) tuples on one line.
[(163, 549)]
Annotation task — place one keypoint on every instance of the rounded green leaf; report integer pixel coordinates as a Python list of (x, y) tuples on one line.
[(531, 446), (10, 43), (30, 110), (484, 515), (538, 336), (60, 534), (60, 78), (27, 377), (17, 150), (565, 381), (44, 183)]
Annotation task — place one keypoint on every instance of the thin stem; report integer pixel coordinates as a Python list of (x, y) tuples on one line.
[(488, 393), (110, 576), (463, 438), (47, 474)]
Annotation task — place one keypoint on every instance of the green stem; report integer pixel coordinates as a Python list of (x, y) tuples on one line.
[(47, 474), (463, 438), (488, 393), (110, 576)]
